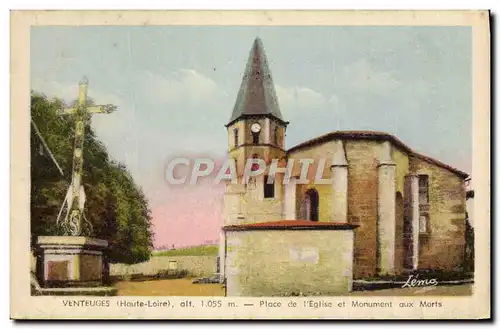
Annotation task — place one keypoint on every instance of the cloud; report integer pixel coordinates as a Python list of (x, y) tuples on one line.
[(299, 97), (306, 107), (184, 85), (361, 75), (356, 81), (298, 103)]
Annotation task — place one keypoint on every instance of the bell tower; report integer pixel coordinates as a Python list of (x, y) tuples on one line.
[(256, 129), (256, 126)]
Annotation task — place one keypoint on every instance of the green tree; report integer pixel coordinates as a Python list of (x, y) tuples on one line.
[(115, 205)]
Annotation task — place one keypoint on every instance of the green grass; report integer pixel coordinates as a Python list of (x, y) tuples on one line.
[(205, 250)]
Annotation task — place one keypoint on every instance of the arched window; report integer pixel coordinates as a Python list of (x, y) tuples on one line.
[(310, 205)]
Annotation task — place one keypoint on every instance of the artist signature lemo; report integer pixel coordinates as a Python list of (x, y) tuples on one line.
[(414, 281)]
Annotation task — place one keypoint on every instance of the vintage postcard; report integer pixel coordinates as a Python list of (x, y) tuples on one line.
[(250, 165)]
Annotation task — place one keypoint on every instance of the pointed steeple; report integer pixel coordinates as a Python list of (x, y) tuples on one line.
[(257, 95)]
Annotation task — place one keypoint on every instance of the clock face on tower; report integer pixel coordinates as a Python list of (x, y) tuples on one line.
[(255, 127)]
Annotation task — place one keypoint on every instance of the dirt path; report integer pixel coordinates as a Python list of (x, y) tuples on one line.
[(184, 287), (175, 287)]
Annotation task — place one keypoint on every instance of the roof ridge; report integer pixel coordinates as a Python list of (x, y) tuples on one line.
[(369, 133)]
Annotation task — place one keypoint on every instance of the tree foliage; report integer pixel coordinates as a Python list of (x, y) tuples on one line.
[(115, 205), (469, 246)]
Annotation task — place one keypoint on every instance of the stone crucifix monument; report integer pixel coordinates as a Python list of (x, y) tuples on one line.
[(72, 262)]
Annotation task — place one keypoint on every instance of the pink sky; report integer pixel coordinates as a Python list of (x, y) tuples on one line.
[(191, 216), (188, 214)]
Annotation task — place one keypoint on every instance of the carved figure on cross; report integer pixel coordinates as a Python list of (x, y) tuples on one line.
[(71, 218)]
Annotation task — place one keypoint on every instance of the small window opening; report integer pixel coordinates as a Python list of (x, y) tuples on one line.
[(236, 137), (268, 189)]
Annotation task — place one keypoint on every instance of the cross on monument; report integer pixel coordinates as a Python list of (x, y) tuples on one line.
[(74, 222)]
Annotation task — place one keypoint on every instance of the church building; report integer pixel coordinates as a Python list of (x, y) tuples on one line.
[(388, 210)]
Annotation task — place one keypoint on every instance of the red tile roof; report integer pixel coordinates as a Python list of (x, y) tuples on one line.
[(290, 225), (373, 135)]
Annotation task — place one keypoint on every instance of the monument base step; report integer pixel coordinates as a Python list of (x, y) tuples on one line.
[(70, 262)]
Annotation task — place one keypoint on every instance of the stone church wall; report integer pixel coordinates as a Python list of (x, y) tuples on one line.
[(443, 246), (289, 262), (256, 208), (363, 160), (324, 204), (324, 191), (402, 162), (362, 156)]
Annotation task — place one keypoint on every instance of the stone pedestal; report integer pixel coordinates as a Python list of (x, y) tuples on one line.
[(71, 265)]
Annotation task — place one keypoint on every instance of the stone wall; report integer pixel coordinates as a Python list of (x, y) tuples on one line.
[(289, 262), (324, 203), (196, 265), (362, 198), (324, 190), (256, 208), (443, 247)]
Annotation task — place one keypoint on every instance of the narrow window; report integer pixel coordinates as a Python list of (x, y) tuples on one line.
[(276, 136), (423, 224), (268, 189), (423, 189), (423, 199), (235, 137), (255, 138)]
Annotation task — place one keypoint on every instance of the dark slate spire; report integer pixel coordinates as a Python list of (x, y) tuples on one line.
[(257, 95)]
